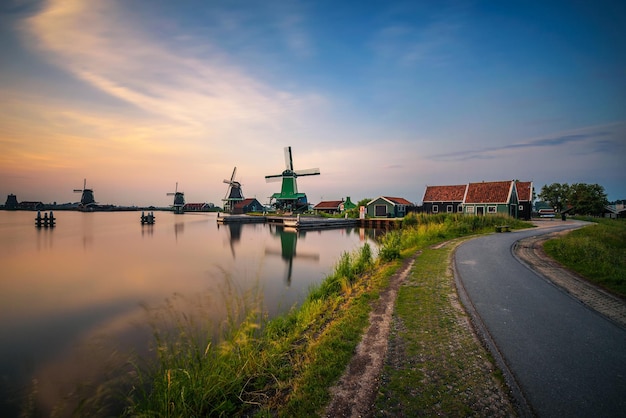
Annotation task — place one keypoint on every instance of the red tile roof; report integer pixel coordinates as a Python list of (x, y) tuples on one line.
[(445, 193), (488, 192), (398, 200), (524, 191), (329, 204), (244, 202)]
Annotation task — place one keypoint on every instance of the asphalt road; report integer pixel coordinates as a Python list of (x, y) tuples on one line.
[(568, 360)]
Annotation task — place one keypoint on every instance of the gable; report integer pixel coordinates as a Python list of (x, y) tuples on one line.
[(453, 193), (489, 192), (524, 191)]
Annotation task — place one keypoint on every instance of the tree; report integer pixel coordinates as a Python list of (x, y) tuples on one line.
[(582, 198), (555, 194), (587, 199)]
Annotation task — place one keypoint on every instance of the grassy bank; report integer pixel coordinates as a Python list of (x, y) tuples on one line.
[(598, 252), (284, 366), (436, 366)]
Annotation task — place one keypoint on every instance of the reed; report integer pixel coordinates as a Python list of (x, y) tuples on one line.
[(283, 366)]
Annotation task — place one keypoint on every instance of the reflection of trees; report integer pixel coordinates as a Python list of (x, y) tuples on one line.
[(288, 242)]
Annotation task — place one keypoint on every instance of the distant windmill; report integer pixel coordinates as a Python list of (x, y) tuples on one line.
[(233, 193), (179, 200), (289, 199), (87, 200)]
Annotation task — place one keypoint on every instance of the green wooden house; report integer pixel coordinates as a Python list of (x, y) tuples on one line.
[(388, 207), (491, 198)]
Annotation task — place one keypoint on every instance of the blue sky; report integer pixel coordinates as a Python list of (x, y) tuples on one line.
[(383, 97)]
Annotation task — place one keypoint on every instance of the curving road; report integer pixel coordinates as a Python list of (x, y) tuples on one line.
[(566, 360)]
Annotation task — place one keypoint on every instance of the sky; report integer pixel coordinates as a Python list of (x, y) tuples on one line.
[(384, 97)]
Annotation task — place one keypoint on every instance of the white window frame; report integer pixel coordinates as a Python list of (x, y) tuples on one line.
[(491, 210), (435, 208), (449, 208), (470, 209)]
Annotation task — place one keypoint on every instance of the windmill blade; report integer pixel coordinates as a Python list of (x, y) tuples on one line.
[(288, 159), (77, 191), (233, 176), (308, 172), (273, 179), (228, 181)]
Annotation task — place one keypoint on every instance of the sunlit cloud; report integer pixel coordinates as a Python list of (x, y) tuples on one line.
[(98, 44)]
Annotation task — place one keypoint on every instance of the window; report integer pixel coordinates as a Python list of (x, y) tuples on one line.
[(435, 208), (380, 210), (449, 208), (492, 209), (470, 209), (520, 207), (460, 209)]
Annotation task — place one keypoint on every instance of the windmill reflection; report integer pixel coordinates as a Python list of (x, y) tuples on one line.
[(288, 241), (234, 230)]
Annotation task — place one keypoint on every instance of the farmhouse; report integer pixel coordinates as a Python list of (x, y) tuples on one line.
[(494, 197), (388, 207), (247, 205), (448, 199), (333, 207)]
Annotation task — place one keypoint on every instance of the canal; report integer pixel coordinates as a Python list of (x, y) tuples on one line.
[(74, 295)]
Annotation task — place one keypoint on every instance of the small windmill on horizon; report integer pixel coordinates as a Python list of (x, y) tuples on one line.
[(289, 199), (233, 193), (179, 200), (87, 199)]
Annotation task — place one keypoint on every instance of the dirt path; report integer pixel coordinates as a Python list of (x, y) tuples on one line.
[(354, 394)]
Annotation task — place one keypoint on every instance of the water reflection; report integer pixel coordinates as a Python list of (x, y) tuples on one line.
[(288, 242), (45, 238), (88, 281)]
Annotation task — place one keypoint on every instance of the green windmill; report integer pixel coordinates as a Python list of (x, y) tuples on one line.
[(289, 199)]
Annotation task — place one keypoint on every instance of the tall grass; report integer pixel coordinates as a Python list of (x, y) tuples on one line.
[(420, 230), (248, 366), (283, 366), (598, 252)]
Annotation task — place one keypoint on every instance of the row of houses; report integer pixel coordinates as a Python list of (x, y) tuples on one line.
[(509, 197), (513, 198)]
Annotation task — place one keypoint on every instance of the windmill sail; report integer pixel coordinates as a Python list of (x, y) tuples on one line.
[(289, 198)]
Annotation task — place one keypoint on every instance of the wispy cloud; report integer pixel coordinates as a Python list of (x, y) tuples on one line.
[(594, 139), (101, 46)]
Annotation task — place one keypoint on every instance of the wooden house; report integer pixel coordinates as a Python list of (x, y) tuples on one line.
[(247, 205), (333, 207), (490, 198), (388, 207), (444, 199), (525, 199)]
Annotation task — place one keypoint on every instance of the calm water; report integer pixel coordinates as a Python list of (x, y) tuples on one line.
[(72, 295)]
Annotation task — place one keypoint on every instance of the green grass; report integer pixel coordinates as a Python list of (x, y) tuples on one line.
[(598, 252), (284, 366), (438, 367)]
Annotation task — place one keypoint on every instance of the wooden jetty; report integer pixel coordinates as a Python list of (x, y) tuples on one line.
[(45, 221), (148, 219), (313, 222), (244, 219)]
